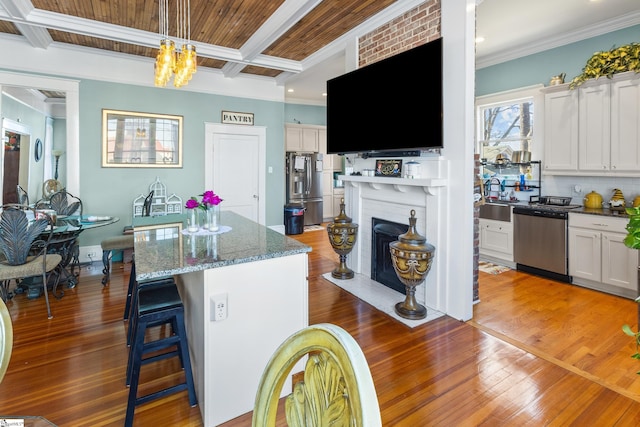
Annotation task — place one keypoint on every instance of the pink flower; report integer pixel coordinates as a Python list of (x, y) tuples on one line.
[(192, 203), (210, 198)]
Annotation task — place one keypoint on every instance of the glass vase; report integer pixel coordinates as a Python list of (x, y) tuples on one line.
[(193, 222), (212, 220)]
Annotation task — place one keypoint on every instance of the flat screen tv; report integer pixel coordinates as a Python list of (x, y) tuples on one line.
[(391, 105)]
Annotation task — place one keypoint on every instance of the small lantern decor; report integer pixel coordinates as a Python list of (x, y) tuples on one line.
[(342, 235), (411, 256)]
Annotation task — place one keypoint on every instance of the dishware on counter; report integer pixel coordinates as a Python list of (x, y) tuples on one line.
[(521, 156), (593, 200)]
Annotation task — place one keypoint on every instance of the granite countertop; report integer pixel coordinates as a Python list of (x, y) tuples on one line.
[(162, 250), (600, 211)]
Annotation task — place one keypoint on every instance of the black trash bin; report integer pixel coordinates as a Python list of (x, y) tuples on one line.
[(293, 218)]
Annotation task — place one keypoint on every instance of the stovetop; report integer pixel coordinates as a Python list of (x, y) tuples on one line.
[(551, 207)]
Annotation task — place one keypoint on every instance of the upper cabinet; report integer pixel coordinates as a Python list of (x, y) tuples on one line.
[(594, 129), (304, 138)]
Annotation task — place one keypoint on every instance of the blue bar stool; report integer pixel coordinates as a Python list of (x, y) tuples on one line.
[(132, 295), (157, 304)]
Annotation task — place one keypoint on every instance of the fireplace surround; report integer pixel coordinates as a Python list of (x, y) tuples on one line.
[(392, 199)]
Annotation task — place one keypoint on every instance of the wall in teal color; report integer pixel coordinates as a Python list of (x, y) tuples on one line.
[(35, 121), (111, 191), (540, 67), (305, 114)]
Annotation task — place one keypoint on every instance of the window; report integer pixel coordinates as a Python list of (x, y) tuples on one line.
[(505, 123)]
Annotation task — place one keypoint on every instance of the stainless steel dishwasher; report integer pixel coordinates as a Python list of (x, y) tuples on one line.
[(540, 233)]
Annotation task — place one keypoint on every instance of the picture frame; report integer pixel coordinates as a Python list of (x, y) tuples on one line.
[(134, 140), (388, 167)]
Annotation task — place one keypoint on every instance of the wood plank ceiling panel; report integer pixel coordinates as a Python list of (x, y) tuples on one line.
[(325, 23), (225, 23)]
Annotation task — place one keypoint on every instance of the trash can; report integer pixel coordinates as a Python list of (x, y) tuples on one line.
[(293, 218)]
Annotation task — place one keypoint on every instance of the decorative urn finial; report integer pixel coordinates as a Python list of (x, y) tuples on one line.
[(411, 256), (342, 235)]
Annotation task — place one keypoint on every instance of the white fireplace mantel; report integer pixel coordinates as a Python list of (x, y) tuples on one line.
[(393, 199), (398, 184)]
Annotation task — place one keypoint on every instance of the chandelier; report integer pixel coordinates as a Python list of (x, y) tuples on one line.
[(179, 63)]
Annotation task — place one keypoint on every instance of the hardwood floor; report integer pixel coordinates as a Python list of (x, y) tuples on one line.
[(537, 352)]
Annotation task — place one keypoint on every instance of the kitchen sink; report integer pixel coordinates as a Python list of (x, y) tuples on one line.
[(496, 210)]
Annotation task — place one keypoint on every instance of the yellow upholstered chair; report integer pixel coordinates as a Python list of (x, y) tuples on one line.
[(6, 338), (337, 388)]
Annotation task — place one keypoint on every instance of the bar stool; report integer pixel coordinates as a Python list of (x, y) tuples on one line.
[(154, 305), (117, 243)]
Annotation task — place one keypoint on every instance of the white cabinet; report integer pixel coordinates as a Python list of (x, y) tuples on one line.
[(327, 194), (496, 239), (561, 131), (594, 140), (303, 138), (625, 125), (593, 130), (598, 258)]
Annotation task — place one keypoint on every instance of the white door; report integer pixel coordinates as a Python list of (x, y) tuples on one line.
[(235, 167)]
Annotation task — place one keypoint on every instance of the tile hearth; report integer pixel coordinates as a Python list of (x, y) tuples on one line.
[(380, 296)]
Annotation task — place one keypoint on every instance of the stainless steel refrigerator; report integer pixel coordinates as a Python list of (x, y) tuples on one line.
[(304, 184)]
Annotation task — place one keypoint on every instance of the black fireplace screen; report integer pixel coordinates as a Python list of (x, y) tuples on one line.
[(383, 233)]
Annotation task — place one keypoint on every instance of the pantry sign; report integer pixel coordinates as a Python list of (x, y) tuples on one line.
[(234, 118)]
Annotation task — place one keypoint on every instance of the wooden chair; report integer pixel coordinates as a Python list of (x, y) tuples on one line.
[(24, 245), (6, 338), (337, 388)]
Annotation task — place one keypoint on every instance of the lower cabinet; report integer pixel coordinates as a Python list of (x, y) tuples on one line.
[(496, 239), (598, 258)]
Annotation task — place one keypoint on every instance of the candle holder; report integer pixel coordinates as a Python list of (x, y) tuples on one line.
[(412, 257), (342, 235)]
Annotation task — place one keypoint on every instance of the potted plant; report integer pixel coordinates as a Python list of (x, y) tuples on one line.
[(633, 241), (607, 63)]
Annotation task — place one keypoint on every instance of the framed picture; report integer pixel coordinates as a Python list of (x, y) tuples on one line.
[(136, 140), (388, 167)]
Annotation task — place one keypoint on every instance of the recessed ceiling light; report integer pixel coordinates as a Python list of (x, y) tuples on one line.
[(479, 39), (290, 90), (324, 93)]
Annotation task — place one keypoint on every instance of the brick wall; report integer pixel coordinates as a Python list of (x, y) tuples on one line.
[(414, 28)]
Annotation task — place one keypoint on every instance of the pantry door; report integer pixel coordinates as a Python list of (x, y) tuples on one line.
[(235, 166)]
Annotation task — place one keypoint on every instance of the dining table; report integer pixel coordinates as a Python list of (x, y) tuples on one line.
[(64, 242)]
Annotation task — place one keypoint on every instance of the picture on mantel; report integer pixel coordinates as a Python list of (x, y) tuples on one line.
[(388, 167)]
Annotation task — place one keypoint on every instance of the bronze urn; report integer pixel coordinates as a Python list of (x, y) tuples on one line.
[(411, 256), (342, 235)]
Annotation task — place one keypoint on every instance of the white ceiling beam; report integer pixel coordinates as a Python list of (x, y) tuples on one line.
[(285, 17), (39, 37), (44, 19)]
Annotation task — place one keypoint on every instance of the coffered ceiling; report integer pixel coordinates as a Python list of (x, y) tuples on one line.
[(299, 42)]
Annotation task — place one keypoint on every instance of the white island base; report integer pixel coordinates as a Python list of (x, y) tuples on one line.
[(266, 302)]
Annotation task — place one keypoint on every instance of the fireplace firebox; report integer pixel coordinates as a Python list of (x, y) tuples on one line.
[(384, 232)]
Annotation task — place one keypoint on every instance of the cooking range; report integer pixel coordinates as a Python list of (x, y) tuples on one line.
[(541, 237)]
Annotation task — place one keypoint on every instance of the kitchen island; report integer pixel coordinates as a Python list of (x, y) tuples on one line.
[(244, 291)]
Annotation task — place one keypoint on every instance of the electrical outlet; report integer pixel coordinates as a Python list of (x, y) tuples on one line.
[(219, 307), (92, 254)]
